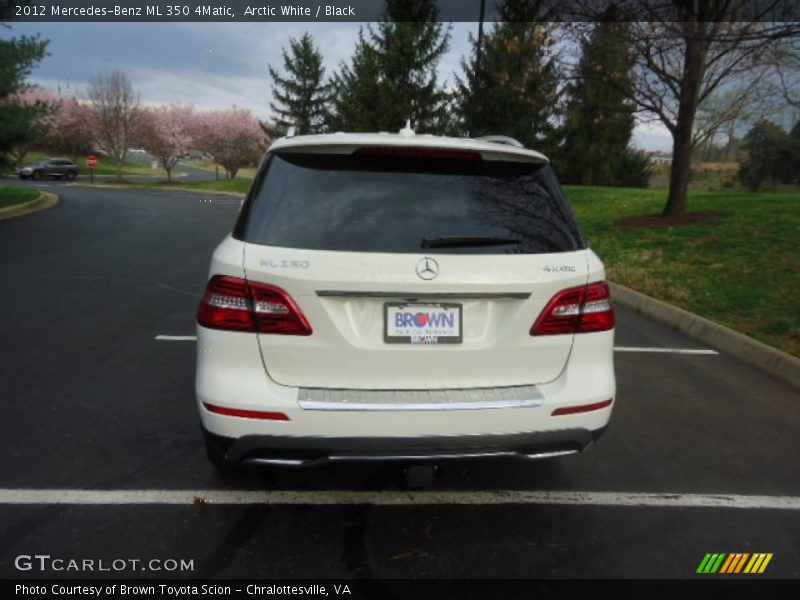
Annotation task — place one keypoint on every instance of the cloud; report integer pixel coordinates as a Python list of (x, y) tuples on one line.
[(652, 136), (210, 65), (215, 65)]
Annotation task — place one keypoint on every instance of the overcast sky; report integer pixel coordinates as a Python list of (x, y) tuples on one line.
[(211, 65)]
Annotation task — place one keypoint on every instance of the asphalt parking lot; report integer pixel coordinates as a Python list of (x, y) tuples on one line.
[(702, 454)]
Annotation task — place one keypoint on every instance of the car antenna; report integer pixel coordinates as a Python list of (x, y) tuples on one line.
[(407, 131)]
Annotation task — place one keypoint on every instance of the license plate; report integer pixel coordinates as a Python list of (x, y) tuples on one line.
[(422, 323)]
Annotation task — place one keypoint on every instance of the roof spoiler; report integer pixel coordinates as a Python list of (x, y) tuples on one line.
[(501, 139)]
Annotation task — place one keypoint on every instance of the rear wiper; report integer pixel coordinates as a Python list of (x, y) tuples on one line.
[(457, 241)]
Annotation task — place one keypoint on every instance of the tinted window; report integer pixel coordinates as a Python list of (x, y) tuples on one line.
[(391, 204)]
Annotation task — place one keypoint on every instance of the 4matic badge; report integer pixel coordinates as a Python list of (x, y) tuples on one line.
[(559, 269)]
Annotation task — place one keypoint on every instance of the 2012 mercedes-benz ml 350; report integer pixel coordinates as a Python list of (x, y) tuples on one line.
[(403, 297)]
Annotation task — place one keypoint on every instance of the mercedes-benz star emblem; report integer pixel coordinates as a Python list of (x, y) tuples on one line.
[(427, 268)]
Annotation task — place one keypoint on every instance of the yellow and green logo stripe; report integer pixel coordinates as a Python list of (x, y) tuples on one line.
[(734, 563)]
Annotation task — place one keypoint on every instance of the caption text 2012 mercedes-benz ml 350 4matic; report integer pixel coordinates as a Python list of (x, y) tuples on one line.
[(402, 296)]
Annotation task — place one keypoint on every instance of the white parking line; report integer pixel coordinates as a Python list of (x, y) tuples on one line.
[(665, 350), (193, 338), (423, 498)]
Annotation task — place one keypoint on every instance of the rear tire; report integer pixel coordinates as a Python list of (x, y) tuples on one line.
[(70, 175), (217, 459), (37, 174)]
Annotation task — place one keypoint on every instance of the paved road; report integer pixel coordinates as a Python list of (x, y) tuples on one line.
[(91, 401), (183, 174)]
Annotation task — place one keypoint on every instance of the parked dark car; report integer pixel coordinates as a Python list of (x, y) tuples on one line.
[(61, 168)]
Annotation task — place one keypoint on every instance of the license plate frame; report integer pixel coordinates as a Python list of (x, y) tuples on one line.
[(424, 340)]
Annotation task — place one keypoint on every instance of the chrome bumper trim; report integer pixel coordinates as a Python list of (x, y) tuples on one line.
[(524, 396), (406, 295)]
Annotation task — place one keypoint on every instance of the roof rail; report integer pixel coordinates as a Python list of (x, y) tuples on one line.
[(501, 139)]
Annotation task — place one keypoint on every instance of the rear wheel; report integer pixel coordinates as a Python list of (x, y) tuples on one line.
[(217, 459), (37, 174), (71, 175)]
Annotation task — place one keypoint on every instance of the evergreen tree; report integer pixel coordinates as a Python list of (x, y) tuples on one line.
[(515, 90), (356, 95), (392, 76), (18, 57), (272, 129), (770, 156), (600, 117), (302, 97), (793, 164)]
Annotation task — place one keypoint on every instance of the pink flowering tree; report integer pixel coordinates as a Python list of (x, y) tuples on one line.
[(168, 132), (70, 131), (62, 125), (233, 138)]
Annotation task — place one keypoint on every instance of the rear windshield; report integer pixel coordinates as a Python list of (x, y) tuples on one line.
[(391, 204)]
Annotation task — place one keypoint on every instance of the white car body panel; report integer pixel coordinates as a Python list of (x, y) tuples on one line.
[(348, 350), (230, 373), (347, 353)]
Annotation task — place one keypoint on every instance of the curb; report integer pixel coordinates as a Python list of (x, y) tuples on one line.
[(44, 201), (778, 364), (153, 188)]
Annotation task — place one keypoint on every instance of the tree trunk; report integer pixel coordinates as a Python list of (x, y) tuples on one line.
[(693, 71), (679, 174), (169, 174)]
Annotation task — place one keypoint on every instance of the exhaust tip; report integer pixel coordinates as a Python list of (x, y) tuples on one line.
[(552, 454)]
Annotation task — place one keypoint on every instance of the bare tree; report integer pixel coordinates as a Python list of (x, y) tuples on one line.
[(116, 113), (787, 66), (685, 51)]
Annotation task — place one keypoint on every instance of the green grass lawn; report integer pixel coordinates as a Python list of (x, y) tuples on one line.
[(210, 165), (239, 186), (109, 167), (11, 195), (742, 270)]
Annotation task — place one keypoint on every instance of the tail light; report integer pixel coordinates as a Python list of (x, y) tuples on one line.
[(233, 304), (580, 309)]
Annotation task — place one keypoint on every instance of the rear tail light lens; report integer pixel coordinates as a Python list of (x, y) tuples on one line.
[(226, 305), (276, 312), (234, 304), (582, 309)]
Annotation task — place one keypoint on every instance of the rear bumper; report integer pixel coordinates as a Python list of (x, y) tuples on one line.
[(230, 374), (293, 451)]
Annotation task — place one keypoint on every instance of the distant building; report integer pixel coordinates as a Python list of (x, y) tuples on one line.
[(660, 158)]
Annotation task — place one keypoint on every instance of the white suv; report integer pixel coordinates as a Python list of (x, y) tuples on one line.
[(401, 296)]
